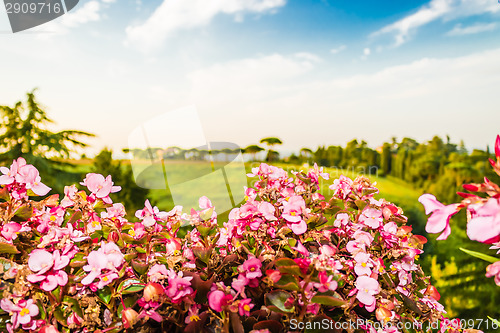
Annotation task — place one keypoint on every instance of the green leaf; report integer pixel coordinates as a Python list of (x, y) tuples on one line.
[(276, 300), (140, 249), (139, 267), (294, 270), (4, 194), (361, 204), (328, 300), (480, 255), (288, 282), (8, 248), (133, 288), (24, 212), (74, 305), (285, 262), (104, 294)]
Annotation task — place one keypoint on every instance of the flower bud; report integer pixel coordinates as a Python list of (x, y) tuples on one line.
[(129, 317), (432, 292), (383, 314), (273, 275), (113, 237), (470, 187), (153, 291)]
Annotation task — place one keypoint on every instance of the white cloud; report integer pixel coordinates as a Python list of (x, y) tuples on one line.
[(88, 13), (458, 30), (248, 80), (338, 49), (280, 95), (174, 15), (436, 9), (367, 51)]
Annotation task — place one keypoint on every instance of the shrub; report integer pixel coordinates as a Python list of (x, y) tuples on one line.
[(286, 259)]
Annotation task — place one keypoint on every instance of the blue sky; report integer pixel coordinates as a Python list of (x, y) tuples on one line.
[(311, 72)]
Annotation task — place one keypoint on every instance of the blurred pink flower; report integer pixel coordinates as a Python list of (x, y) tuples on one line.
[(484, 225), (493, 270), (439, 221)]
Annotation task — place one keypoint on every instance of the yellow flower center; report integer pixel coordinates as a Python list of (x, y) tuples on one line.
[(95, 224), (363, 264), (24, 312), (131, 232), (194, 318), (252, 269), (105, 279), (417, 257), (246, 198), (52, 218), (246, 307), (293, 213)]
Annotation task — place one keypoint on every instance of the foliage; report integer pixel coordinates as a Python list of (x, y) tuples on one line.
[(286, 254), (24, 133)]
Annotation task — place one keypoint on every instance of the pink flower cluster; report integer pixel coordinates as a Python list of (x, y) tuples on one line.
[(22, 176), (286, 253), (483, 214)]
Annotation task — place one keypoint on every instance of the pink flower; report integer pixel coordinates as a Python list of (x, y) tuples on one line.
[(108, 257), (326, 282), (193, 314), (301, 249), (439, 221), (267, 210), (48, 269), (99, 186), (149, 215), (244, 307), (342, 187), (69, 196), (115, 213), (484, 225), (21, 313), (158, 272), (371, 217), (28, 174), (251, 268), (363, 264), (341, 219), (218, 299), (9, 175), (74, 320), (367, 287), (362, 239), (137, 231), (10, 230), (494, 270), (179, 287), (292, 213)]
